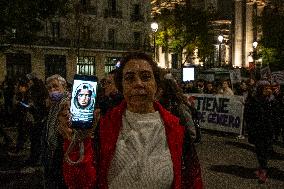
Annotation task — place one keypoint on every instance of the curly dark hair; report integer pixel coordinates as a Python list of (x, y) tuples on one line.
[(118, 77)]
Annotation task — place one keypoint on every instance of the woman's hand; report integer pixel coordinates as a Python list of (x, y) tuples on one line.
[(64, 126)]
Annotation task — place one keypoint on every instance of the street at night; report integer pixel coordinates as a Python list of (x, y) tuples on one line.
[(226, 163), (113, 93)]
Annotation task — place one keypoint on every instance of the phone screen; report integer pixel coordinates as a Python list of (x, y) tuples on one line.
[(84, 92), (24, 104)]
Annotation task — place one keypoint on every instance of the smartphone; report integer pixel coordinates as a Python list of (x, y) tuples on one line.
[(83, 99), (24, 104)]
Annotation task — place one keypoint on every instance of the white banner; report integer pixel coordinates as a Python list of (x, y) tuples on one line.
[(278, 77), (219, 112), (265, 73), (235, 76)]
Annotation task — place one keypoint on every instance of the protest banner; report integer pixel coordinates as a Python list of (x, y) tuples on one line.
[(219, 112), (235, 76), (278, 77), (265, 73)]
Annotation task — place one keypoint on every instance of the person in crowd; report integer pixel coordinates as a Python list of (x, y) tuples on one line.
[(38, 95), (6, 138), (277, 111), (140, 143), (200, 86), (260, 129), (111, 96), (225, 89), (242, 89), (173, 99), (52, 140), (190, 87), (24, 119), (250, 87), (8, 94), (210, 88)]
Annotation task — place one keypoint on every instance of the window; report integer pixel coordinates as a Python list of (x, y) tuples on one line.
[(137, 40), (136, 13), (111, 64), (55, 64), (18, 64), (86, 65), (136, 9), (85, 4), (55, 30), (86, 32), (112, 5), (111, 35)]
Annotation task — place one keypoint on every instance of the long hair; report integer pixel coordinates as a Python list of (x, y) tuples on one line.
[(172, 95)]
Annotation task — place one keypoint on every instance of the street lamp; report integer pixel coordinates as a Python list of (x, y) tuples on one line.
[(254, 44), (254, 55), (220, 39), (154, 27)]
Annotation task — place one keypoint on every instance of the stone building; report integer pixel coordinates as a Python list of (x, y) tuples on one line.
[(237, 24), (89, 40)]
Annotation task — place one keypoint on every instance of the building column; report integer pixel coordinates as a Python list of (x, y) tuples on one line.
[(3, 71), (238, 41), (100, 65), (249, 32), (37, 63), (71, 65)]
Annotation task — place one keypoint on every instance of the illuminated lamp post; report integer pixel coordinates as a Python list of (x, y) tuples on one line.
[(254, 45), (154, 27), (220, 39)]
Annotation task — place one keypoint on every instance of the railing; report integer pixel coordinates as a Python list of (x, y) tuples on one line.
[(65, 42)]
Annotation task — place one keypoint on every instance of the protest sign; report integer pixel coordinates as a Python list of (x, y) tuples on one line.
[(219, 112), (265, 73), (278, 77), (235, 76)]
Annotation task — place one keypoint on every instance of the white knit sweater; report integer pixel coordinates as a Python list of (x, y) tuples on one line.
[(142, 158)]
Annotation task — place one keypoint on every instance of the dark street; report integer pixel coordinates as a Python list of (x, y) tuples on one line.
[(226, 163)]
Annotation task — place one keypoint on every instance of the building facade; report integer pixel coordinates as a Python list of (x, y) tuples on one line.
[(238, 24), (89, 40), (219, 26)]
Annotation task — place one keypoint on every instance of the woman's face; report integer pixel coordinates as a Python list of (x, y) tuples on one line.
[(84, 97), (55, 85), (209, 86), (267, 91), (139, 86), (225, 84)]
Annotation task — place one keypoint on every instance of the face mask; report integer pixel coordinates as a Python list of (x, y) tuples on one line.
[(56, 96)]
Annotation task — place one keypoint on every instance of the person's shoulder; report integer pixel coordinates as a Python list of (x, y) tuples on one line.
[(167, 116)]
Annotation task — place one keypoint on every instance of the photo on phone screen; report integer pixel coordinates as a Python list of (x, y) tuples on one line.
[(84, 92)]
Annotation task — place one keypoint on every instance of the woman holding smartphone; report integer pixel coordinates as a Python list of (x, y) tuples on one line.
[(140, 144)]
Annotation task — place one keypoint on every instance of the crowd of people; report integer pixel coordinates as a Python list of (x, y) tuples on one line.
[(263, 113), (144, 130)]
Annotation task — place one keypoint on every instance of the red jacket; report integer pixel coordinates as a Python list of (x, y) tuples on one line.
[(88, 174)]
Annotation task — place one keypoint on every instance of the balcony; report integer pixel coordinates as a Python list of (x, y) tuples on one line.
[(112, 14), (72, 43)]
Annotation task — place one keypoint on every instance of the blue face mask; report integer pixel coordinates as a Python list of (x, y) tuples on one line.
[(56, 96)]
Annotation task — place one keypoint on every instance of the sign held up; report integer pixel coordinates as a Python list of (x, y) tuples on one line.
[(219, 112)]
